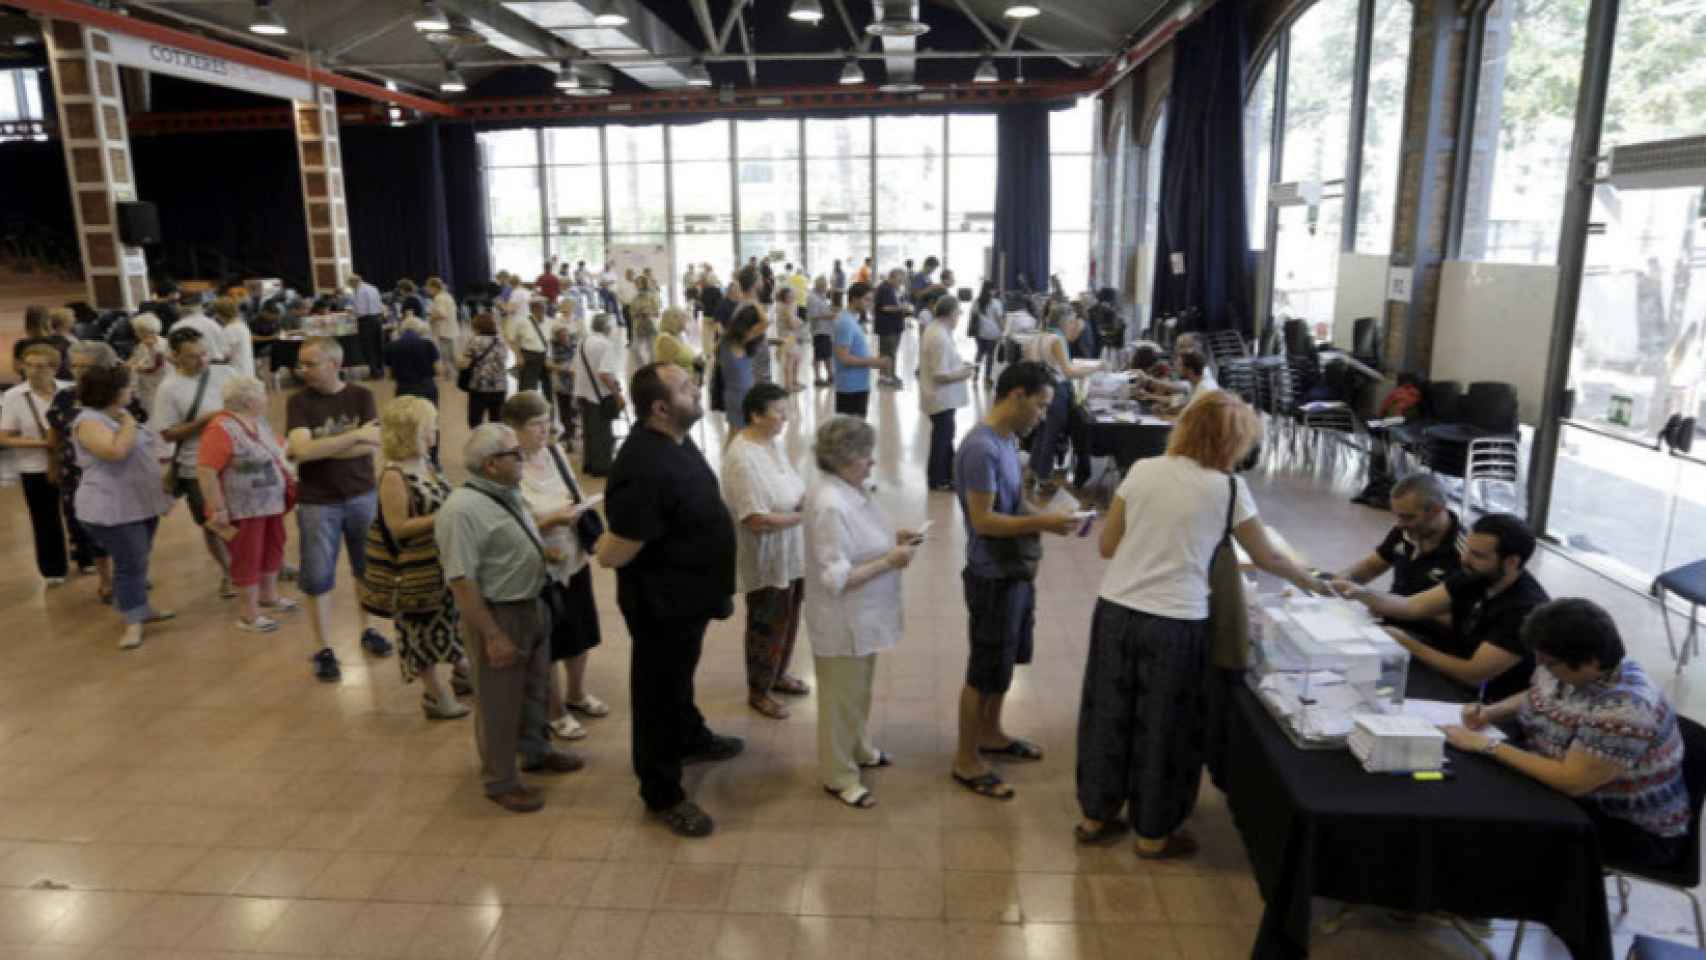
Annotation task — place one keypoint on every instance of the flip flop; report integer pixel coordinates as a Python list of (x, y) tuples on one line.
[(1016, 749), (988, 785), (883, 760), (1107, 831), (791, 686), (1179, 845), (854, 796)]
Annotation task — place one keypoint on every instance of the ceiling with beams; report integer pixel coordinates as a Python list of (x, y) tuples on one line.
[(514, 47)]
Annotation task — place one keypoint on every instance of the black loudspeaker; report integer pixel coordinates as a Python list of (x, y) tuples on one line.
[(138, 223)]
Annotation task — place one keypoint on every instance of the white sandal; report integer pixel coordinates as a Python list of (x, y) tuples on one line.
[(589, 705), (566, 727), (855, 796)]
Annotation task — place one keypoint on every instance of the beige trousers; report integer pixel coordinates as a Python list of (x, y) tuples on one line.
[(843, 712)]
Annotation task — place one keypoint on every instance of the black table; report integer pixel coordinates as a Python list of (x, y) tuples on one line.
[(1489, 842), (1127, 443)]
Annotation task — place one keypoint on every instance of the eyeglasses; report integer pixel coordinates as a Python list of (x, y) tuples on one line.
[(516, 453)]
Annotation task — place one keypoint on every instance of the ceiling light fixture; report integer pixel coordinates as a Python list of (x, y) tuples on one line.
[(567, 77), (852, 73), (806, 11), (1021, 11), (609, 16), (697, 75), (431, 19), (986, 72), (452, 82), (266, 20)]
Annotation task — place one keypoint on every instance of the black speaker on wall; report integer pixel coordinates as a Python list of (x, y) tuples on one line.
[(138, 223)]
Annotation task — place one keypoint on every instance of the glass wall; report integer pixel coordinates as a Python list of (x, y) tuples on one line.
[(812, 190), (20, 100), (1071, 145)]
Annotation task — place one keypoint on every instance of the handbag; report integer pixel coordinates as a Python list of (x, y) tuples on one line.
[(399, 578), (290, 482), (555, 600), (465, 376), (589, 526), (609, 405), (1228, 617), (169, 476), (1016, 558)]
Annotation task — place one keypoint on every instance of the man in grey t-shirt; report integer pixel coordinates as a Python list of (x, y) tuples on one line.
[(180, 418)]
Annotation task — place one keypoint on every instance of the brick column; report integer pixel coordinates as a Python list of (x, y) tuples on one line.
[(320, 157), (96, 140)]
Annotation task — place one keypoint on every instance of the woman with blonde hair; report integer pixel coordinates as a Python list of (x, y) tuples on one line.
[(410, 492), (1142, 721), (672, 345), (241, 468), (644, 309)]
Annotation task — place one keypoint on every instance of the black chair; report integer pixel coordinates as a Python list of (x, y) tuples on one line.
[(1488, 411), (1688, 582), (1684, 875), (1652, 948), (1365, 341)]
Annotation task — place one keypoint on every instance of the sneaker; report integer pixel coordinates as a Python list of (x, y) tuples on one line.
[(435, 710), (227, 589), (716, 749), (261, 624), (685, 819), (131, 638), (590, 706), (566, 727), (553, 763), (326, 666), (282, 605), (375, 643), (55, 582)]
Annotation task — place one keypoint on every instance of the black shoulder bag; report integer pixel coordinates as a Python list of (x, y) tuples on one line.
[(589, 526), (465, 376)]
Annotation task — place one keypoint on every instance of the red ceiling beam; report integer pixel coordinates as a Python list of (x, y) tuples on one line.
[(107, 20), (1132, 57)]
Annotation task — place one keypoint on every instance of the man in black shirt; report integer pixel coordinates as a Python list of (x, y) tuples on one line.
[(672, 543), (1421, 551), (1487, 599), (890, 321)]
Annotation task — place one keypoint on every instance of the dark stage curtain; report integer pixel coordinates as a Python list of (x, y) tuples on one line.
[(1202, 215), (398, 222), (464, 186), (1022, 194)]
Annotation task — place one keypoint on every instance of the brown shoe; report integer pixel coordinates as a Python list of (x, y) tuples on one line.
[(554, 762), (519, 800)]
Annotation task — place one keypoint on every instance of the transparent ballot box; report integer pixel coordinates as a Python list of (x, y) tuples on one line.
[(1315, 663)]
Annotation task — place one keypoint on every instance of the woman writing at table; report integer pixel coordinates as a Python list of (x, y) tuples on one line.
[(1597, 729)]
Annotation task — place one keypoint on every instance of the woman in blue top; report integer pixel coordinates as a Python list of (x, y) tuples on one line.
[(119, 499), (735, 356)]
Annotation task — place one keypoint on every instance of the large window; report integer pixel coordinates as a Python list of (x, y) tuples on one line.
[(911, 168), (575, 178), (971, 198), (769, 175), (838, 194), (703, 198), (20, 101), (1310, 81), (1071, 143), (514, 210)]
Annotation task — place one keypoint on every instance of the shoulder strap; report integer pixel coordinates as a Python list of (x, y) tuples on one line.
[(391, 545), (200, 391), (544, 341), (593, 377), (509, 509), (1231, 502), (563, 471), (35, 413)]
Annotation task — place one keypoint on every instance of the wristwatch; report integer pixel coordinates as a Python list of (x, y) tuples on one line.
[(1488, 749)]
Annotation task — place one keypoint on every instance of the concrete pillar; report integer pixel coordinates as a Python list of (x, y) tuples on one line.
[(320, 157), (96, 140)]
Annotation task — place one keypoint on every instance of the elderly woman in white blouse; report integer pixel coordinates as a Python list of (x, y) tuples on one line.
[(853, 602), (765, 497)]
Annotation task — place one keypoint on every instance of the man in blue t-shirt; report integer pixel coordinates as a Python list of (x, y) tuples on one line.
[(853, 360), (1003, 549)]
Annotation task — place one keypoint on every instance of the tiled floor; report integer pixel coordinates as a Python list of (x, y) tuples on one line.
[(205, 797)]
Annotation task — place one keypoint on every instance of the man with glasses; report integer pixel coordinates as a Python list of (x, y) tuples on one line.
[(494, 562), (332, 433)]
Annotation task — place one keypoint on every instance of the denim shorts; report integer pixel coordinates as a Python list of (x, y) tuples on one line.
[(322, 526), (1001, 617)]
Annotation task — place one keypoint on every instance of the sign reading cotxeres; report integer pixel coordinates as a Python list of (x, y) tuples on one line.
[(178, 62)]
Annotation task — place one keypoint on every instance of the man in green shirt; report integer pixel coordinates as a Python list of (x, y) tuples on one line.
[(494, 562)]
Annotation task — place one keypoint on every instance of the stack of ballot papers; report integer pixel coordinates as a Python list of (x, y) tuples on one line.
[(1396, 743)]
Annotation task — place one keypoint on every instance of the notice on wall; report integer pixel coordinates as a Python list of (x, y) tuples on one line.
[(1398, 283), (1177, 261), (188, 64)]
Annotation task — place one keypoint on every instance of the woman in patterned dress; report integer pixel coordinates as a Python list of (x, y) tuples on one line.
[(410, 492)]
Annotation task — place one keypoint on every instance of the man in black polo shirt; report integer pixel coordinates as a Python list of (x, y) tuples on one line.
[(1421, 551), (672, 543), (890, 321), (1487, 599)]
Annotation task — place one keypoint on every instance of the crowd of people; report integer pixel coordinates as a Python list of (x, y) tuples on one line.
[(489, 584)]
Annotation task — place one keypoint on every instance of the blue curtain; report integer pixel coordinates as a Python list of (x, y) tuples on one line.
[(464, 185), (1202, 215), (394, 182), (1022, 195)]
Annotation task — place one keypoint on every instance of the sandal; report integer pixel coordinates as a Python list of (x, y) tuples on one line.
[(589, 705), (988, 784), (855, 796), (768, 707), (1107, 831), (791, 686), (1179, 845), (883, 760), (1016, 749)]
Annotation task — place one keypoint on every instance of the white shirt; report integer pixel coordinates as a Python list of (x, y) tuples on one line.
[(988, 321), (758, 479), (845, 528), (17, 417), (212, 334), (443, 315), (1203, 388), (1175, 515), (366, 301), (239, 347), (600, 354), (544, 491), (520, 332), (626, 291), (173, 402), (939, 355)]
